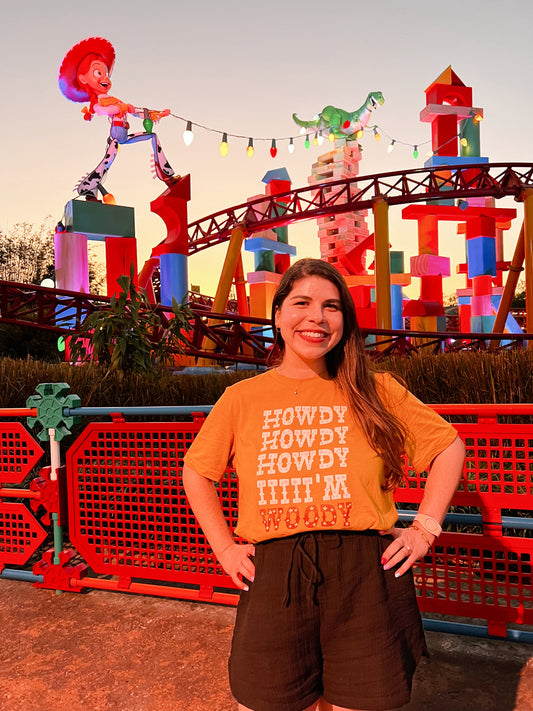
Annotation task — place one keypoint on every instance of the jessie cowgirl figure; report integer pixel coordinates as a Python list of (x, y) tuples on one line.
[(84, 75)]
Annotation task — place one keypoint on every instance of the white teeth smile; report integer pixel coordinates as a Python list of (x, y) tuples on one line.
[(313, 334)]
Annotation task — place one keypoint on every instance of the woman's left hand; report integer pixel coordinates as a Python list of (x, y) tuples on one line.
[(407, 547)]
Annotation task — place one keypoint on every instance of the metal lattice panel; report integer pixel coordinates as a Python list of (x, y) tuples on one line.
[(498, 468), (20, 534), (475, 576), (128, 513), (19, 453)]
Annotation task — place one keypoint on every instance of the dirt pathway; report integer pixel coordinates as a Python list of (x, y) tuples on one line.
[(117, 652)]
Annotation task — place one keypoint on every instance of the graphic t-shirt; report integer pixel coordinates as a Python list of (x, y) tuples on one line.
[(302, 461)]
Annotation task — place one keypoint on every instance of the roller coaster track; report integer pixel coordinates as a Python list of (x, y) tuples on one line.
[(355, 194), (247, 340)]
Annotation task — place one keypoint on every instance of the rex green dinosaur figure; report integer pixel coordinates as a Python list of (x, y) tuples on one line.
[(344, 124)]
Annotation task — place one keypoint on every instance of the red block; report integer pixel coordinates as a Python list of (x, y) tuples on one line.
[(366, 318), (431, 288), (360, 296), (482, 285), (277, 186), (120, 254), (482, 226), (464, 318), (453, 93)]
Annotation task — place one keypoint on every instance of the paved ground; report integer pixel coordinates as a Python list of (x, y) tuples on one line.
[(116, 652)]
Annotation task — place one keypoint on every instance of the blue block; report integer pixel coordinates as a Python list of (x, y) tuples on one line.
[(436, 161), (174, 280), (397, 323), (464, 300), (482, 324), (276, 174), (257, 244), (481, 256), (66, 318)]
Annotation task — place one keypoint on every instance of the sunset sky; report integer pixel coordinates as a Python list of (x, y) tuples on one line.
[(244, 68)]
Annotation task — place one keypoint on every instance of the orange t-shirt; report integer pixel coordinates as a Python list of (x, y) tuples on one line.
[(302, 461)]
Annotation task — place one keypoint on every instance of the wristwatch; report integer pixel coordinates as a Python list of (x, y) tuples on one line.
[(429, 523)]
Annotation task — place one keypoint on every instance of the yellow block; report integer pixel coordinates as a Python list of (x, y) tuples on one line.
[(261, 297), (370, 279), (423, 323)]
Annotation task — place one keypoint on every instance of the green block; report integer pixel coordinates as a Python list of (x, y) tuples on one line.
[(282, 233), (396, 262), (265, 261), (96, 219)]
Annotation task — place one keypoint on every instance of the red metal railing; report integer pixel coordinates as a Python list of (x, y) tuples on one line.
[(358, 193), (236, 339), (130, 527)]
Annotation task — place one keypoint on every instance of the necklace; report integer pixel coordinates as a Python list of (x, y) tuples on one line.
[(300, 380)]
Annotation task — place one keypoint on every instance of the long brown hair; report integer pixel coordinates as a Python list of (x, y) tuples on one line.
[(349, 366)]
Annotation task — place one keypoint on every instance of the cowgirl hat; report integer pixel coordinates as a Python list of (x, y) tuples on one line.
[(68, 71)]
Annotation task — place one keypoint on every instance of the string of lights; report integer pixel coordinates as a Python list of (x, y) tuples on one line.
[(316, 137)]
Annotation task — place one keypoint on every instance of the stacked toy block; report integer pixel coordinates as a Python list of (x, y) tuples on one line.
[(362, 287), (481, 259), (271, 250), (429, 266), (451, 114), (338, 234), (113, 224)]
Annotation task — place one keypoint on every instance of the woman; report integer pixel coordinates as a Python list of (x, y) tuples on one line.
[(327, 619)]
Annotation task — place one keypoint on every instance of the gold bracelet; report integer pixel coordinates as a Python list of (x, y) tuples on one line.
[(421, 532)]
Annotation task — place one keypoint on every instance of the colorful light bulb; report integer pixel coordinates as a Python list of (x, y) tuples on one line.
[(377, 135), (250, 150), (291, 146), (415, 152), (359, 133), (188, 135), (224, 148), (307, 143), (148, 124), (331, 137), (391, 146), (273, 149)]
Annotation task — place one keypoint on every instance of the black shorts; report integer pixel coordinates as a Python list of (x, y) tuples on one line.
[(322, 618)]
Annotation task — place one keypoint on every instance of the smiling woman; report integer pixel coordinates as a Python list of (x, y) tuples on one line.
[(310, 323), (327, 619)]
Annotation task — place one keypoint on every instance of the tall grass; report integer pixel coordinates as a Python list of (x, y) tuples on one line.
[(18, 379), (505, 377)]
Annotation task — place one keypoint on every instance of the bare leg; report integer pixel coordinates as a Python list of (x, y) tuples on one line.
[(323, 705)]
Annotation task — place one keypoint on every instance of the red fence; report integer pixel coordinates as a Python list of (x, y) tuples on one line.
[(130, 527)]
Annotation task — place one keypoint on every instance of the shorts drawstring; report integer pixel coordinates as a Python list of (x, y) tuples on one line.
[(308, 566)]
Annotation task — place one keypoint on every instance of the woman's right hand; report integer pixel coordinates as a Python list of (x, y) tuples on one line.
[(235, 559)]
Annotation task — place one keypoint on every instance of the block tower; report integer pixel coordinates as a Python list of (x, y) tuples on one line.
[(455, 139), (339, 234), (272, 252), (87, 220)]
